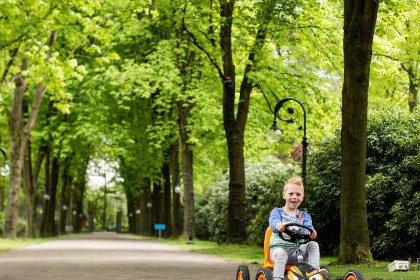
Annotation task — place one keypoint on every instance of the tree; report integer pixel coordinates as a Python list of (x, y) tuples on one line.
[(397, 50), (359, 27), (235, 109)]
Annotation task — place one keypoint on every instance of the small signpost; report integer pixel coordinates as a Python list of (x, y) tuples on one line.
[(160, 227)]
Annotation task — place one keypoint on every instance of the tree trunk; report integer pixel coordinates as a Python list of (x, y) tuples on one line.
[(157, 204), (130, 210), (167, 197), (78, 195), (236, 220), (359, 26), (187, 168), (413, 93), (65, 196), (145, 211), (136, 215), (53, 189), (44, 231), (30, 192), (48, 227), (176, 198), (18, 137), (16, 154)]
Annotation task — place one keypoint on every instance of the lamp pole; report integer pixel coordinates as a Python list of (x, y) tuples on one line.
[(177, 189), (294, 115)]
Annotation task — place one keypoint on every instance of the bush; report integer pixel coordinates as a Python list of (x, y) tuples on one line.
[(393, 186), (264, 184)]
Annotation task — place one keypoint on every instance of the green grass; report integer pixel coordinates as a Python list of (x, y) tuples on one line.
[(9, 244), (254, 255)]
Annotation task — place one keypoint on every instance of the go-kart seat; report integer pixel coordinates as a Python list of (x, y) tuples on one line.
[(268, 263)]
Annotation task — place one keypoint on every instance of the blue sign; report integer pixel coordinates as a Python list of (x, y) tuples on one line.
[(160, 226)]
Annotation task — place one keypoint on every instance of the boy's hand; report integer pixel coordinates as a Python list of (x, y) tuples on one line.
[(281, 227), (313, 235)]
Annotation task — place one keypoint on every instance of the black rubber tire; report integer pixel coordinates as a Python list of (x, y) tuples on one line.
[(264, 274), (326, 277), (353, 275), (242, 273)]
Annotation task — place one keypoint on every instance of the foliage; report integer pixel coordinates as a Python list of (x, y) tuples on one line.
[(393, 196), (264, 185)]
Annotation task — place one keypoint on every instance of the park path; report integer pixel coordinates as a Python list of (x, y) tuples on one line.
[(109, 256)]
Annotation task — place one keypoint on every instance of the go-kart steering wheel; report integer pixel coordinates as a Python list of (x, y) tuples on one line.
[(295, 235)]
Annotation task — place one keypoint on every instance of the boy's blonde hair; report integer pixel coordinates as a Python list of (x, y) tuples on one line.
[(296, 180)]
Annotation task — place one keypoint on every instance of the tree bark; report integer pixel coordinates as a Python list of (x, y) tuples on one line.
[(176, 197), (65, 196), (235, 126), (79, 194), (16, 154), (167, 197), (157, 204), (19, 136), (44, 230), (146, 212), (187, 168), (359, 26), (30, 192), (413, 93)]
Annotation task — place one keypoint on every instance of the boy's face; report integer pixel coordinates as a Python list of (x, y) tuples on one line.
[(293, 195)]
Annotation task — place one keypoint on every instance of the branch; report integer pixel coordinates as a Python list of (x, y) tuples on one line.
[(6, 71), (385, 55), (20, 37), (194, 41)]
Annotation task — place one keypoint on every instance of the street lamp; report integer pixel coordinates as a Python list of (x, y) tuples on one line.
[(275, 133), (177, 189), (4, 170)]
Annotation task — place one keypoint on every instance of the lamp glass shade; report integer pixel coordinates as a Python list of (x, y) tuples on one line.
[(4, 170), (273, 134)]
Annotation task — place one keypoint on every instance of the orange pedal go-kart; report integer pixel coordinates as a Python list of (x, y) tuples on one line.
[(301, 271)]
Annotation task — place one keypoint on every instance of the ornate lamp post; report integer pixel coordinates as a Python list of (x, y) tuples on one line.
[(275, 133), (4, 170), (177, 189)]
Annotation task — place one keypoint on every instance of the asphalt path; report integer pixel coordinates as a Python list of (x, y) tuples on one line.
[(110, 256)]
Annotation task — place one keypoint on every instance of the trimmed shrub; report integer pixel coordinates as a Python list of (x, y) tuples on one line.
[(264, 185), (393, 186)]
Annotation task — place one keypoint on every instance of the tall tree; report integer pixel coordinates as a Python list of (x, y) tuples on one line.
[(359, 27), (235, 110)]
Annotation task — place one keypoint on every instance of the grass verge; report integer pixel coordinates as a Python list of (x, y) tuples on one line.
[(254, 255), (9, 244)]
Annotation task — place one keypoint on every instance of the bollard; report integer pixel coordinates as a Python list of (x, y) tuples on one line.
[(418, 264)]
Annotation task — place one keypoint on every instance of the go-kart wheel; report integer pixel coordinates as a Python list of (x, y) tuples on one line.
[(353, 275), (242, 273), (264, 274)]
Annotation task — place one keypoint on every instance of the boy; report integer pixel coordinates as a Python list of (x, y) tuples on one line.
[(283, 252)]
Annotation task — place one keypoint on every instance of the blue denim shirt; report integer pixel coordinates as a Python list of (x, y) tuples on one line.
[(278, 215)]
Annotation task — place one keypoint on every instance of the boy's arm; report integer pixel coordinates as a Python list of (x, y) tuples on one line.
[(274, 219), (307, 220)]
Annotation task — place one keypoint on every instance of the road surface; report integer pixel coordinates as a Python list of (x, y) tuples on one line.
[(111, 256)]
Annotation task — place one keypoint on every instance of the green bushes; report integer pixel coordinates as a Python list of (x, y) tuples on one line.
[(264, 184), (393, 190), (393, 186)]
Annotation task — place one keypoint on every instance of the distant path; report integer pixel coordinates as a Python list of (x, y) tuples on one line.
[(110, 256)]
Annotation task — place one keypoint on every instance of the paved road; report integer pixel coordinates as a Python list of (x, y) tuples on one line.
[(109, 256)]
